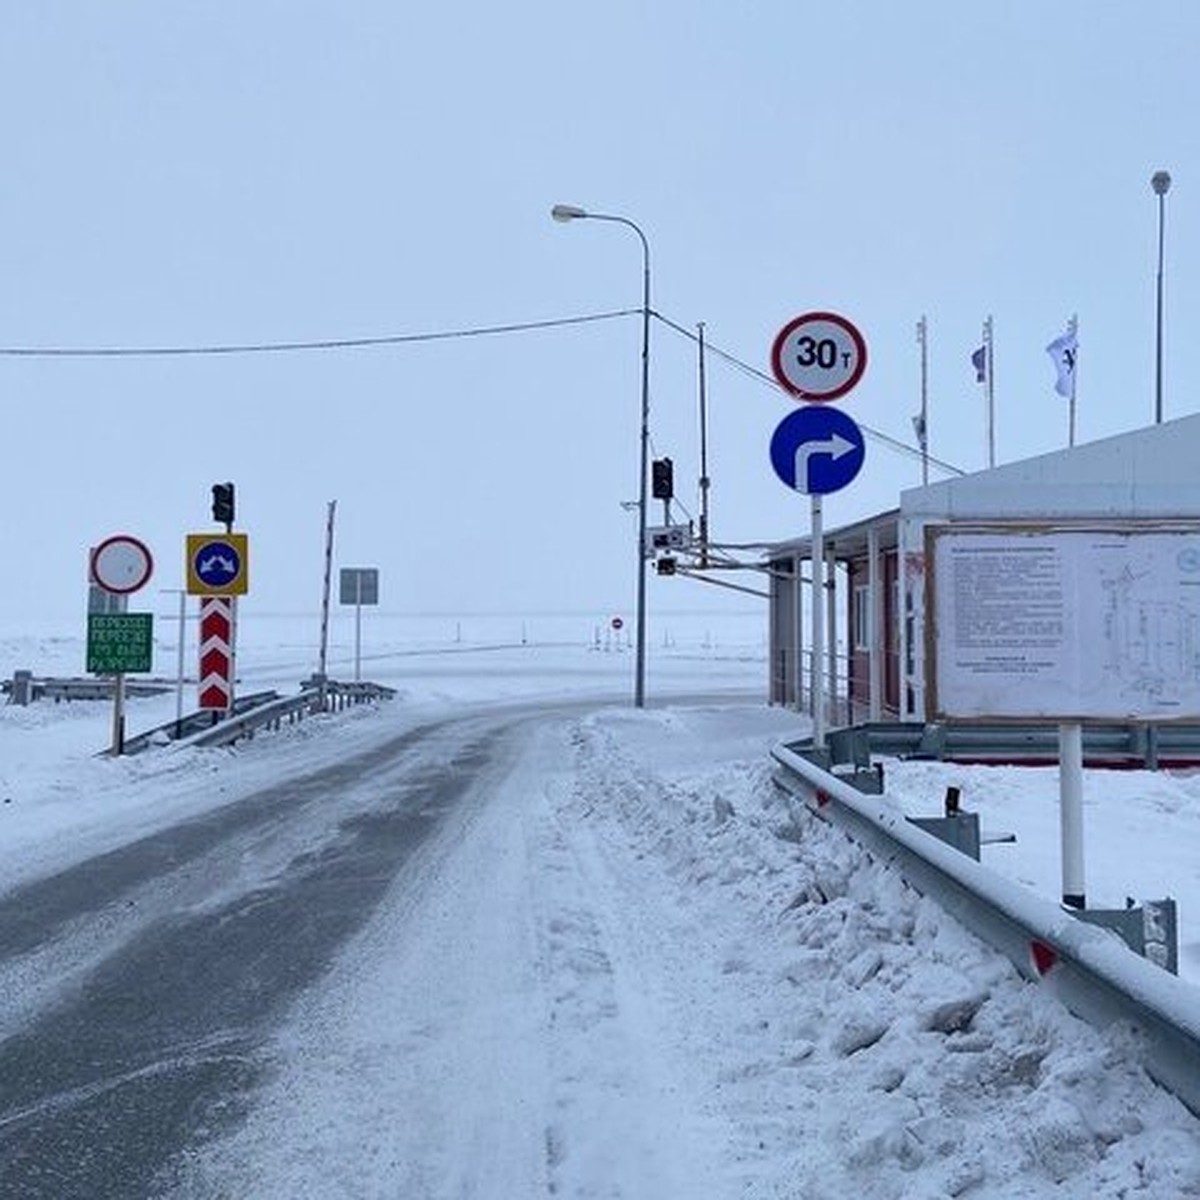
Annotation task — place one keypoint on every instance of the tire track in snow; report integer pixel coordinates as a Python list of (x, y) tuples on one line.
[(486, 1038), (623, 1124)]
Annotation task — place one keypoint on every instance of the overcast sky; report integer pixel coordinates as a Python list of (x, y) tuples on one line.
[(192, 175)]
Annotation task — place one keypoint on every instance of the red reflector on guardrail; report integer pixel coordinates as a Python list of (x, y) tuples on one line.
[(1045, 958)]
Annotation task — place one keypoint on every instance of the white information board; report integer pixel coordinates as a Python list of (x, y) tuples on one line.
[(1064, 623)]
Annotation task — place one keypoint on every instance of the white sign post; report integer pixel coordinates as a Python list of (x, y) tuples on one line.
[(1070, 813)]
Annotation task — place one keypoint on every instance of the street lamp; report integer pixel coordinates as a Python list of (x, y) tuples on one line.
[(1160, 181), (569, 212)]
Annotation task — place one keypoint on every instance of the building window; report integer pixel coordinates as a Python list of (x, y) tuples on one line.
[(862, 617)]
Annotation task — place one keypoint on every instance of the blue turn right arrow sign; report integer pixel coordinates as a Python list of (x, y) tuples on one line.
[(817, 449)]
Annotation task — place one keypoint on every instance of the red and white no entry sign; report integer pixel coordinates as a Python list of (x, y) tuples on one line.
[(617, 623), (818, 356), (121, 564)]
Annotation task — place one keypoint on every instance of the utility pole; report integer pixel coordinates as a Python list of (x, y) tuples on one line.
[(322, 678), (705, 482), (921, 421)]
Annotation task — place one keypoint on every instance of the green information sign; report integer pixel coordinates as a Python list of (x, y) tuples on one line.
[(120, 642)]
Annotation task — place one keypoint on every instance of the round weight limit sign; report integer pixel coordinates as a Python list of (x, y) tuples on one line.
[(818, 356)]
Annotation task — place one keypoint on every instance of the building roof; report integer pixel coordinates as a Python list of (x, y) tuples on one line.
[(1148, 472)]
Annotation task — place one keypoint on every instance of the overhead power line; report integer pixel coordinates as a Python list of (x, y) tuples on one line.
[(442, 335), (350, 343)]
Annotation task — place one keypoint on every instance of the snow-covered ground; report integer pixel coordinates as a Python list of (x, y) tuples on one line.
[(630, 973)]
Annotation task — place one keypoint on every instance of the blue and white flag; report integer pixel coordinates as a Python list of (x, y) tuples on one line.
[(1063, 352), (979, 362)]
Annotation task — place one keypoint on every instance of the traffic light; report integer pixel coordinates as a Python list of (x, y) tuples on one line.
[(222, 503), (662, 479)]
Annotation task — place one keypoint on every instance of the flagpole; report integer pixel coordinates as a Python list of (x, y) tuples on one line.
[(1064, 353), (1161, 183), (922, 421), (1073, 330), (989, 384)]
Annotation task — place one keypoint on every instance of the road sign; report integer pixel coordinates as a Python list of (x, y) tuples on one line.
[(218, 565), (817, 450), (617, 624), (666, 537), (120, 642), (818, 356), (121, 564), (216, 652), (358, 585)]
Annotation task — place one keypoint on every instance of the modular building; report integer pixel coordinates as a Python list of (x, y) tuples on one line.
[(1060, 586)]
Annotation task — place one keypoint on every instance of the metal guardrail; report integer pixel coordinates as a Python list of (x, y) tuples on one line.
[(1089, 969), (271, 715), (191, 723), (289, 709), (338, 694), (25, 687), (254, 711), (1112, 744)]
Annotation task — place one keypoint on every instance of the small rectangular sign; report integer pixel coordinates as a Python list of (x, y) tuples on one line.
[(662, 538), (100, 601), (120, 642), (359, 585)]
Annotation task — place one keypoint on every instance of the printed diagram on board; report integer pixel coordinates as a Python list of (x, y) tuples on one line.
[(1151, 623)]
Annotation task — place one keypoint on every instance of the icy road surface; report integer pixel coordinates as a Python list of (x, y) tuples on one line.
[(565, 951)]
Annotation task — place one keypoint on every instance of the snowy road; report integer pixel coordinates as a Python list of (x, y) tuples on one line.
[(150, 976), (567, 951)]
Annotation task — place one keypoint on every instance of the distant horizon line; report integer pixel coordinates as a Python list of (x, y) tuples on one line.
[(380, 611)]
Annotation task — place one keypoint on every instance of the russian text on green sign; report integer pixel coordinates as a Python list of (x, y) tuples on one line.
[(120, 642)]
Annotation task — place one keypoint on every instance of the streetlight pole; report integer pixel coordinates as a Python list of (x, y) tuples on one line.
[(1160, 181), (569, 212)]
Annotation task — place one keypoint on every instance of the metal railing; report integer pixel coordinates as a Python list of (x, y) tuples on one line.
[(289, 709), (254, 711), (1090, 970), (339, 695), (192, 723), (271, 715), (1107, 743), (25, 687)]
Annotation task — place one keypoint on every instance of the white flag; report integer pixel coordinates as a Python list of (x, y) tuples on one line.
[(1063, 351)]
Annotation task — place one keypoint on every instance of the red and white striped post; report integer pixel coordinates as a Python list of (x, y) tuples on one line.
[(217, 634)]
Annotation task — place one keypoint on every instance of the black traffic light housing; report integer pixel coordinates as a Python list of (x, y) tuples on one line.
[(222, 504), (662, 479)]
